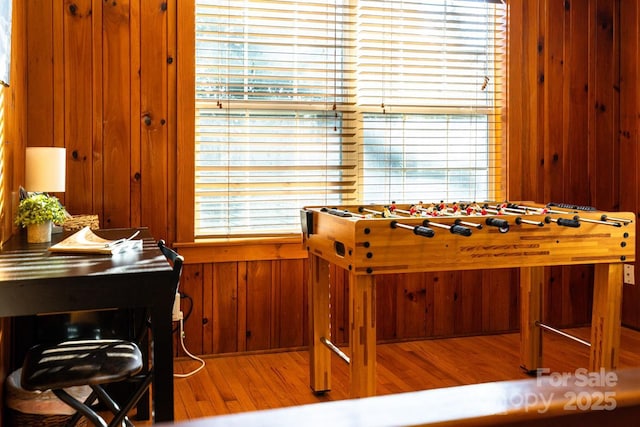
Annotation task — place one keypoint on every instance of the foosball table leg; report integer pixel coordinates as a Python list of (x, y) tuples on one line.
[(606, 316), (531, 280), (362, 315), (320, 325)]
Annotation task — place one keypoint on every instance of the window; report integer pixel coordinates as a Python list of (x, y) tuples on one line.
[(343, 101)]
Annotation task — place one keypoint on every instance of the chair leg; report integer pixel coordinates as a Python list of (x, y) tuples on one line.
[(133, 400), (76, 417), (91, 415), (120, 414)]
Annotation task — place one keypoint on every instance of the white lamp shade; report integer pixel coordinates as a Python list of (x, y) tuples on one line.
[(45, 169)]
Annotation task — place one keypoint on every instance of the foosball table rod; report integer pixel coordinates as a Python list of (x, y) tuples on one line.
[(595, 221), (621, 220), (419, 230), (336, 350), (562, 333)]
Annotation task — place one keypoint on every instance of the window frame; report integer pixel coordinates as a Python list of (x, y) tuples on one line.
[(185, 125), (185, 128)]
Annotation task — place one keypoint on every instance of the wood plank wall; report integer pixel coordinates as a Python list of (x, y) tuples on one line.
[(629, 135), (97, 83), (574, 104), (101, 79), (260, 304)]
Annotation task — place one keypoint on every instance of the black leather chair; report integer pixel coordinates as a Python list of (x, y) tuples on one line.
[(95, 362)]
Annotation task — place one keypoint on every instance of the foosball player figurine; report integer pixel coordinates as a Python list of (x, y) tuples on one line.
[(478, 210), (392, 206), (431, 210), (470, 209)]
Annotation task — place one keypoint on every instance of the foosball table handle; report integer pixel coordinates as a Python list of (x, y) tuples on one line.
[(461, 230), (419, 230), (565, 222), (423, 231), (453, 229), (502, 224)]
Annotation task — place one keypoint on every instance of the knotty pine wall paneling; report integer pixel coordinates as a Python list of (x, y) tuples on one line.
[(568, 288), (100, 78), (221, 297), (524, 150), (98, 83), (154, 142), (500, 291), (604, 97), (565, 111), (629, 136), (78, 102), (13, 126), (290, 309), (115, 137), (258, 323), (261, 305), (40, 75)]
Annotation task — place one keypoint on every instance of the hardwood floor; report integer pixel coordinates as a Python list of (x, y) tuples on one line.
[(238, 383)]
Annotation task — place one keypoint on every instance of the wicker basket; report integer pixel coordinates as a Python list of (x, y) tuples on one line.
[(76, 222), (19, 419), (34, 409)]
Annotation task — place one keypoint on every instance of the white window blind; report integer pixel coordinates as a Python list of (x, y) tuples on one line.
[(342, 101), (429, 86), (272, 93)]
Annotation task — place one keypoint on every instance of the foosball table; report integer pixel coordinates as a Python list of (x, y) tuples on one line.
[(370, 240)]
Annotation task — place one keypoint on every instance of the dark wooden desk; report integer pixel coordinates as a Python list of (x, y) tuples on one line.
[(36, 281)]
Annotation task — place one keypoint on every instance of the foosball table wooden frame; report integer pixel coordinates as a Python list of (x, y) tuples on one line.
[(370, 240)]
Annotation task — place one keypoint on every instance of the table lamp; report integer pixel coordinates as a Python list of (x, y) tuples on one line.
[(45, 172), (45, 169)]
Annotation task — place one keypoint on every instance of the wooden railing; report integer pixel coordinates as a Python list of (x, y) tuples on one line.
[(581, 399)]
